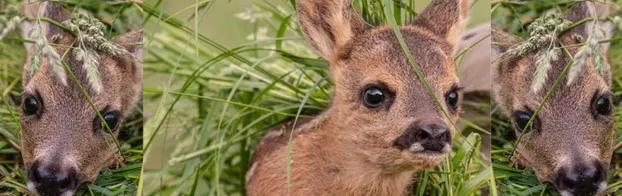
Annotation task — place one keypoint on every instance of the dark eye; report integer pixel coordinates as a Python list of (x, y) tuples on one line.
[(31, 105), (112, 119), (452, 99), (373, 97), (521, 119), (602, 105)]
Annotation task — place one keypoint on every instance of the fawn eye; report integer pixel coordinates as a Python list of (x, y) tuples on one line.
[(522, 118), (452, 99), (602, 105), (373, 97), (112, 119), (31, 105)]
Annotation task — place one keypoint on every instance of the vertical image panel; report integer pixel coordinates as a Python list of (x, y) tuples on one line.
[(556, 73), (317, 97), (71, 110)]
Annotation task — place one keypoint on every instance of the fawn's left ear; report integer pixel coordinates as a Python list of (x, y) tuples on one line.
[(132, 67), (445, 18), (132, 42), (45, 9), (328, 24)]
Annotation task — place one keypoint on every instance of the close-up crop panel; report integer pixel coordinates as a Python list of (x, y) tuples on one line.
[(317, 97), (70, 110), (557, 80)]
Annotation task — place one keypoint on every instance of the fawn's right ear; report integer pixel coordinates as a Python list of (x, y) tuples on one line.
[(501, 42), (45, 9), (132, 42), (328, 24), (582, 10), (446, 19)]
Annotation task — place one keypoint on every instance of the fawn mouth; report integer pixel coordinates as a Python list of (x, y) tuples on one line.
[(601, 188), (420, 150)]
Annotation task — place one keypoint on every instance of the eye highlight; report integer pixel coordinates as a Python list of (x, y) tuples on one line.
[(30, 105), (373, 97), (602, 105), (112, 118), (521, 118), (452, 98)]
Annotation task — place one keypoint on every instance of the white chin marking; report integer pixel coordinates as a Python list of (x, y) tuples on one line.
[(31, 187), (601, 187), (446, 148), (416, 147), (67, 193)]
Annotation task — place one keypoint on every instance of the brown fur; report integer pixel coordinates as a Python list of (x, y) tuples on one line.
[(569, 133), (348, 149), (65, 133)]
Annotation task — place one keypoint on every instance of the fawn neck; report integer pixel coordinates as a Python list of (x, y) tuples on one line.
[(349, 164)]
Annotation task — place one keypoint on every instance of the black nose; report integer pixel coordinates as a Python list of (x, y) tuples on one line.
[(432, 137), (52, 179), (582, 179)]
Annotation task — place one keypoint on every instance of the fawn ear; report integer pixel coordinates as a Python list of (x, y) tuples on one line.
[(132, 42), (587, 9), (445, 18), (45, 9), (328, 24), (501, 42)]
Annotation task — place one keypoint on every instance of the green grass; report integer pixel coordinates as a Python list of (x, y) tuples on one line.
[(210, 103), (111, 181), (515, 17)]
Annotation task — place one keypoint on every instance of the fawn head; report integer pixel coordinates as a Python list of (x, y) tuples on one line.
[(379, 103), (63, 142), (570, 141)]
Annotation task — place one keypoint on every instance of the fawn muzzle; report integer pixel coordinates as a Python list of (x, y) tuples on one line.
[(425, 138), (52, 178), (581, 179)]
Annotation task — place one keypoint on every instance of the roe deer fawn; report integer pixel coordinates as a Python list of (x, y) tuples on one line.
[(570, 142), (382, 125), (63, 142)]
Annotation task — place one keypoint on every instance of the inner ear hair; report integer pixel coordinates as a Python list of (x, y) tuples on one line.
[(445, 18), (46, 9), (501, 42), (328, 24)]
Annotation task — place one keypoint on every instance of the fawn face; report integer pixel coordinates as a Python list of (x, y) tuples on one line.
[(379, 101), (570, 143), (63, 141)]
